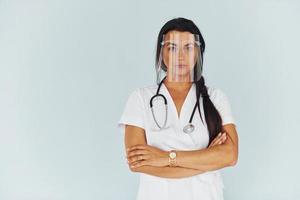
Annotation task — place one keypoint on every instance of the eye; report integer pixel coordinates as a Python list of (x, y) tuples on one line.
[(172, 48), (190, 47)]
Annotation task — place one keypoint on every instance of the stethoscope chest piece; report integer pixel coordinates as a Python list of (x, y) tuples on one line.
[(189, 128)]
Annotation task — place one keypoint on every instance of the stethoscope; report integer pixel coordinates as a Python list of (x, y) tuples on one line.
[(189, 128)]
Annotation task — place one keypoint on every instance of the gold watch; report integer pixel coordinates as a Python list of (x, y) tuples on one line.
[(172, 158)]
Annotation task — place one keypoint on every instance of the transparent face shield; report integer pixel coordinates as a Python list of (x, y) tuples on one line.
[(180, 58)]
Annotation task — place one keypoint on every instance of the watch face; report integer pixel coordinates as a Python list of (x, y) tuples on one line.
[(172, 155)]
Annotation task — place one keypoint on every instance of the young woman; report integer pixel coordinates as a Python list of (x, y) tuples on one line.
[(179, 132)]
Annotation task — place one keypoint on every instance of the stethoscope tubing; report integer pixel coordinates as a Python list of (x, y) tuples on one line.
[(188, 126)]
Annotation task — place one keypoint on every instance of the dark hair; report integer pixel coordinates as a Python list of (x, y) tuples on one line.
[(212, 116)]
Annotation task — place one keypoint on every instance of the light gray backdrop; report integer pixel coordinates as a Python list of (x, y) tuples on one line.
[(67, 68)]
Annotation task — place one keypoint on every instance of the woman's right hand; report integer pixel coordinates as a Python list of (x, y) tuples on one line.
[(221, 137)]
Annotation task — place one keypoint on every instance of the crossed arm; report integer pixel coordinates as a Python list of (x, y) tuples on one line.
[(189, 163)]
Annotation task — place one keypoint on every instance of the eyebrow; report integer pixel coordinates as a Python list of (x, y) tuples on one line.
[(171, 43)]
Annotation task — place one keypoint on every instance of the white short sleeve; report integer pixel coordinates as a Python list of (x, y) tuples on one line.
[(133, 113), (222, 104)]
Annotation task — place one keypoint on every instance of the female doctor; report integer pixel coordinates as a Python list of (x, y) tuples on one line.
[(179, 132)]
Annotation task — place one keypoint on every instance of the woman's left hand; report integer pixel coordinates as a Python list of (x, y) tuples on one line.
[(140, 155)]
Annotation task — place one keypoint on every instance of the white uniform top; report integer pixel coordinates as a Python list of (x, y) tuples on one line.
[(137, 112)]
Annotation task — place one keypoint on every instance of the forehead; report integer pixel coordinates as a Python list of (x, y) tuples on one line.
[(178, 36)]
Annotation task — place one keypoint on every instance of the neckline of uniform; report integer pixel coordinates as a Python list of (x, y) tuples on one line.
[(179, 117)]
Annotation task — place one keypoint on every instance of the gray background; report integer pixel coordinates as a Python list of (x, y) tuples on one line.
[(67, 68)]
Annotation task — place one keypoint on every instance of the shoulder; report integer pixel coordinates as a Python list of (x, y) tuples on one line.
[(216, 94), (145, 91), (222, 104), (142, 94)]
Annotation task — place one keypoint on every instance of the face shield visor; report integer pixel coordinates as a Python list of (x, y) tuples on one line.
[(179, 58)]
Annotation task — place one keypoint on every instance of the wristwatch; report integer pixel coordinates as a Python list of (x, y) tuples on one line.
[(172, 158)]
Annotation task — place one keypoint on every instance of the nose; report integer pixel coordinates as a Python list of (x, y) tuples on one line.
[(180, 53)]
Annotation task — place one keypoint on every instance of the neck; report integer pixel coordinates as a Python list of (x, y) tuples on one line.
[(179, 86)]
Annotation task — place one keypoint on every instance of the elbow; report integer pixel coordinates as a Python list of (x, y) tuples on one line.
[(233, 163), (232, 156), (134, 169), (233, 160)]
